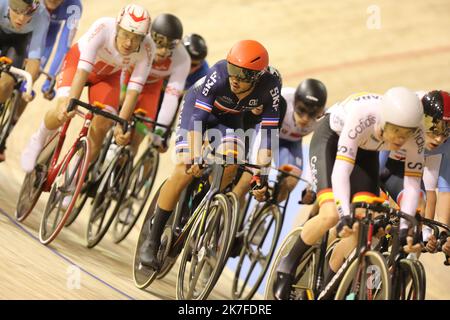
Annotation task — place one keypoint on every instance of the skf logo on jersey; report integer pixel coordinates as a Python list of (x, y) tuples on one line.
[(209, 83), (275, 93)]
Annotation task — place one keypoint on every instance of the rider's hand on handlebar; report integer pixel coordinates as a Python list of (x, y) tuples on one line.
[(121, 138), (346, 227), (63, 116), (308, 196), (259, 188), (195, 167), (49, 95), (431, 245)]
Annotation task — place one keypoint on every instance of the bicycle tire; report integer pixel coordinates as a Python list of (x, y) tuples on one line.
[(121, 230), (86, 189), (112, 188), (197, 237), (7, 115), (407, 282), (80, 173), (350, 274), (247, 251), (32, 185), (305, 272)]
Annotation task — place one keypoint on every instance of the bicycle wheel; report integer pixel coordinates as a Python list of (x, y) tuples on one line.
[(256, 253), (109, 196), (366, 278), (65, 188), (91, 181), (205, 251), (7, 114), (143, 276), (34, 181), (407, 284), (138, 191), (422, 277), (303, 287)]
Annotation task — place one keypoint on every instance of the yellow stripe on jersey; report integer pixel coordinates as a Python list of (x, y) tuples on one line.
[(413, 174), (344, 158), (325, 196)]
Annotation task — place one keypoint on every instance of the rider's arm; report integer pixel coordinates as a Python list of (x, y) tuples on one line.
[(204, 101), (33, 66), (414, 164), (347, 149), (270, 119), (137, 80), (430, 179), (52, 33), (65, 41), (174, 88)]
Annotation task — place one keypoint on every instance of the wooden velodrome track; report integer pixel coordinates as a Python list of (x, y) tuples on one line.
[(334, 41)]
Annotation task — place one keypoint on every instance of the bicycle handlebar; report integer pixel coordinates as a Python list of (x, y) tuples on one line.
[(5, 66), (75, 102), (378, 207)]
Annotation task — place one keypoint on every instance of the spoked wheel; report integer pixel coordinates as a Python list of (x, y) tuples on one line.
[(91, 181), (142, 275), (303, 287), (366, 278), (109, 196), (64, 192), (408, 282), (257, 252), (205, 249), (138, 191), (33, 182), (7, 113)]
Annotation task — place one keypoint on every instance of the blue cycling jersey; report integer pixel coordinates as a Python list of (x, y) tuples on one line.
[(38, 25), (200, 73), (66, 16)]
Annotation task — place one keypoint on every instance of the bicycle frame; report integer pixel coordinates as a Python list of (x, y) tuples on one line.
[(61, 136)]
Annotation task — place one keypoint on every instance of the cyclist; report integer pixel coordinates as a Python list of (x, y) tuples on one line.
[(23, 26), (436, 104), (171, 61), (216, 102), (304, 105), (196, 46), (344, 165), (96, 60), (64, 15)]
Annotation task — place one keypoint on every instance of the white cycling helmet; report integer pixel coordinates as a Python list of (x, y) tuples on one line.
[(135, 19), (401, 107)]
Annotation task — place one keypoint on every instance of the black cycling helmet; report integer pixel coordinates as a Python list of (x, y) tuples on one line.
[(195, 46), (436, 104), (276, 73), (312, 94), (168, 25)]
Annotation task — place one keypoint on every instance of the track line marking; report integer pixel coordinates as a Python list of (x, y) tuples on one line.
[(56, 252)]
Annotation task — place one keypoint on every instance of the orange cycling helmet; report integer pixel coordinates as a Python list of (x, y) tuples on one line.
[(247, 61), (249, 54)]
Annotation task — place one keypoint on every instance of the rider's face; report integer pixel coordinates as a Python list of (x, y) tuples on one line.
[(238, 86), (395, 136), (19, 19), (127, 42), (53, 4)]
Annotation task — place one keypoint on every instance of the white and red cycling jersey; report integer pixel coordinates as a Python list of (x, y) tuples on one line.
[(289, 129), (96, 53), (176, 70), (357, 121)]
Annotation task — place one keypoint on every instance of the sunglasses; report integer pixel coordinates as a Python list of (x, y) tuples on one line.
[(164, 42), (25, 12), (242, 74)]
